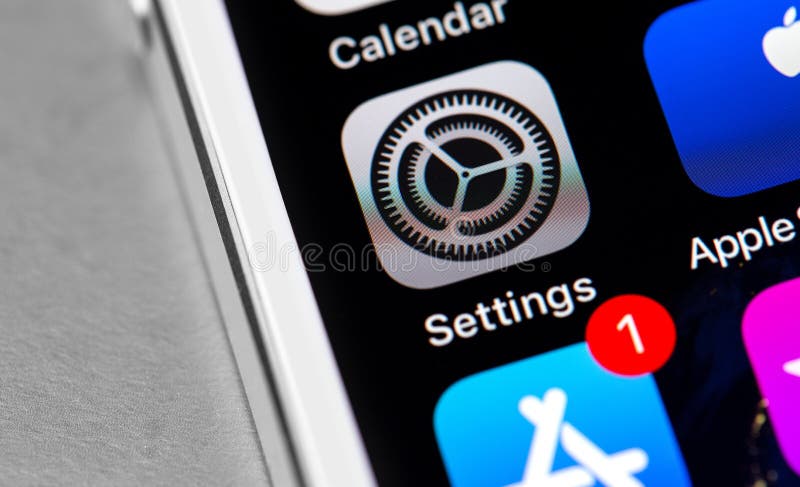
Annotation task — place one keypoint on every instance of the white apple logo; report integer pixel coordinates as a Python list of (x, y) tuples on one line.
[(782, 45)]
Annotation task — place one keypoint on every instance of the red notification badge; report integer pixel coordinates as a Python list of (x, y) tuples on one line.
[(631, 335)]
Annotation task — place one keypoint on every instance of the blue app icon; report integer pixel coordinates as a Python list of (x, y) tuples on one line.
[(557, 420), (726, 73)]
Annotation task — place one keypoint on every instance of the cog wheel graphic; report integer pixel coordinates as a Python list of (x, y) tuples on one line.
[(465, 175)]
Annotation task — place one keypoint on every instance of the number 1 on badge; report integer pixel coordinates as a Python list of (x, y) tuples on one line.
[(629, 323)]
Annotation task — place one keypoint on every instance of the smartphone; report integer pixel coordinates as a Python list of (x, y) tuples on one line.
[(500, 242)]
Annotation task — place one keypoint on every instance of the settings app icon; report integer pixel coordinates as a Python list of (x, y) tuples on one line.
[(465, 175)]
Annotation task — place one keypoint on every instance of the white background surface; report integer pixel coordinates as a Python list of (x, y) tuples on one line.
[(114, 365)]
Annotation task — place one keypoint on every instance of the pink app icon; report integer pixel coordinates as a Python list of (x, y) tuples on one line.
[(771, 330)]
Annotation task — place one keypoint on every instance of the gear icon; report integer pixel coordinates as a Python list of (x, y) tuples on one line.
[(465, 175)]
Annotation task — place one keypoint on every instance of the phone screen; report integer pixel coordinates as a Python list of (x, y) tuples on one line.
[(552, 243)]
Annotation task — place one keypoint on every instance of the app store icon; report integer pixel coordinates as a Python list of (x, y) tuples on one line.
[(557, 419)]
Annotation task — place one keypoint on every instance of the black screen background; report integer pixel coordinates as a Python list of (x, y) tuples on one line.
[(644, 212)]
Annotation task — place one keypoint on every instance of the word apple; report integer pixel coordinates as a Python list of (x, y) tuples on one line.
[(742, 244)]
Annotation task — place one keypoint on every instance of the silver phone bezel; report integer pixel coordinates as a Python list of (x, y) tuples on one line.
[(283, 320)]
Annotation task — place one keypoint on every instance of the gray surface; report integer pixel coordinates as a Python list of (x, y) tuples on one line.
[(114, 365)]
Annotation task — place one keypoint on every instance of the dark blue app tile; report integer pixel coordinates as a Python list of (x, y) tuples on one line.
[(726, 74)]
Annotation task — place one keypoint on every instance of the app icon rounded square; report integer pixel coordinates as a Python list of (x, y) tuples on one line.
[(557, 419), (465, 175), (726, 74), (772, 339), (337, 7)]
